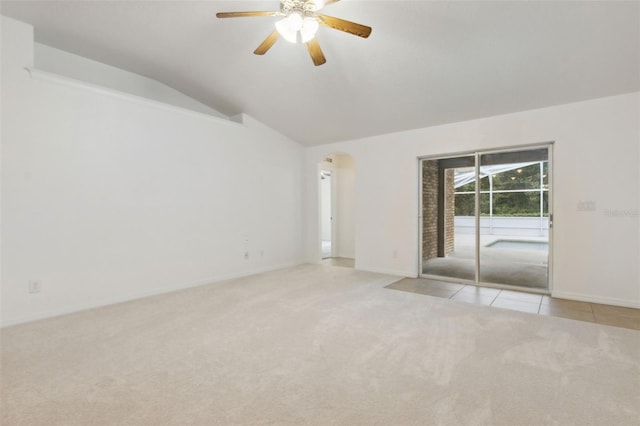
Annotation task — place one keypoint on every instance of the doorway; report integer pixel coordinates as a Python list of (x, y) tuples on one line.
[(486, 218), (337, 209), (326, 215)]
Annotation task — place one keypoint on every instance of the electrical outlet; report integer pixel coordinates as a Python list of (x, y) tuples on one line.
[(246, 255), (261, 253), (395, 254), (35, 287)]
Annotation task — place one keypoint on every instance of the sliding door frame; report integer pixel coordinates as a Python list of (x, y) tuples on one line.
[(476, 154)]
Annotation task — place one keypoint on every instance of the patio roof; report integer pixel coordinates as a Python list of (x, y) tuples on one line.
[(467, 175)]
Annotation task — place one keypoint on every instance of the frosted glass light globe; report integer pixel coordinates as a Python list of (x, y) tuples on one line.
[(289, 27)]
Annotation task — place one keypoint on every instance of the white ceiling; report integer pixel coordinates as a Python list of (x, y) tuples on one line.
[(425, 63)]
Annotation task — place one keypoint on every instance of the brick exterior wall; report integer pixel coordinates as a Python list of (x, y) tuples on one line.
[(430, 210), (449, 211)]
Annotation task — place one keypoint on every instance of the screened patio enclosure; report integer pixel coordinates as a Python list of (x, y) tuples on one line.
[(513, 199)]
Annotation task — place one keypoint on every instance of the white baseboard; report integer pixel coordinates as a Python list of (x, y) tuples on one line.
[(596, 299), (139, 295), (394, 272)]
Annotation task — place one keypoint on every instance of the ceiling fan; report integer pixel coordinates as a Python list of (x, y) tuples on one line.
[(300, 23)]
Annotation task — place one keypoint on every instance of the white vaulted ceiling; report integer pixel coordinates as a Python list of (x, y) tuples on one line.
[(425, 63)]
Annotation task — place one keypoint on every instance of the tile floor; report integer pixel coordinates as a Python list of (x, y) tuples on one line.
[(526, 302)]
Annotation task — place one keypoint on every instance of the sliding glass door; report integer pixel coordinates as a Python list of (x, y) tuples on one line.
[(514, 219), (485, 218)]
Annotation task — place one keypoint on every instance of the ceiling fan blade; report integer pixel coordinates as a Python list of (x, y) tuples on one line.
[(346, 26), (244, 14), (316, 53), (267, 43)]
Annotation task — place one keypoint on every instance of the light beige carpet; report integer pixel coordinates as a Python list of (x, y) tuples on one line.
[(316, 345)]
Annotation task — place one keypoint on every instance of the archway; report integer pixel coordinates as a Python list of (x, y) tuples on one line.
[(336, 180)]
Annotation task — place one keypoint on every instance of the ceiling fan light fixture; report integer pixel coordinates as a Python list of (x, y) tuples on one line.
[(300, 23), (289, 26), (309, 29)]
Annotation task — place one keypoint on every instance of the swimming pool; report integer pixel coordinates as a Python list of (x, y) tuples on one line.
[(520, 245)]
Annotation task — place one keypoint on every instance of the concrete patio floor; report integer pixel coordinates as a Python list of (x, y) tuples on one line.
[(517, 267)]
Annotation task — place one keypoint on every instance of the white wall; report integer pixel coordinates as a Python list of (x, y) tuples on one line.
[(596, 158), (107, 198), (57, 61)]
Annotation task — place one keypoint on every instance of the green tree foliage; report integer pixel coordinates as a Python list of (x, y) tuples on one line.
[(506, 203)]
